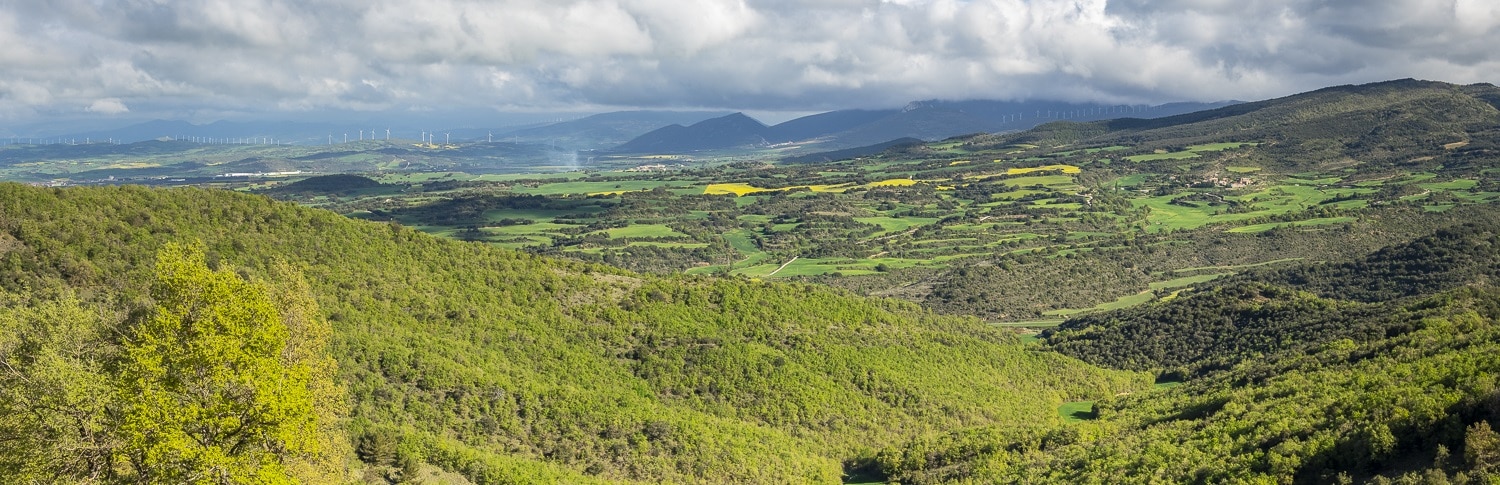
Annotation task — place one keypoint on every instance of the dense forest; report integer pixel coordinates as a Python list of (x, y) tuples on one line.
[(1418, 406), (502, 366), (143, 326), (1264, 311), (1317, 373)]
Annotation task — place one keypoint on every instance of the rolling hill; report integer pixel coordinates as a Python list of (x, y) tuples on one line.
[(1285, 386), (507, 367), (1309, 280), (1388, 123)]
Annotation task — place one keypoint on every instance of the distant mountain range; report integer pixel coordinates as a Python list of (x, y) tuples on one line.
[(926, 120), (604, 130), (670, 131), (588, 133)]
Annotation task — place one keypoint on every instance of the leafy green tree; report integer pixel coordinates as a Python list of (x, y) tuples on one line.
[(54, 390), (214, 392), (1482, 447)]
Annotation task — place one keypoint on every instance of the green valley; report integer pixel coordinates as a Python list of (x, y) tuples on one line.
[(957, 225), (1297, 290), (507, 367)]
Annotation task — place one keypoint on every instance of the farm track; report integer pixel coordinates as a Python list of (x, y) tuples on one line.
[(783, 266)]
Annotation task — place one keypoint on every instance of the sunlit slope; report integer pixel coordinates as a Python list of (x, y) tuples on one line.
[(510, 367)]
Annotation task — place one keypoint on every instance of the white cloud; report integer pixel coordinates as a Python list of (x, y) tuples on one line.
[(251, 55), (108, 106)]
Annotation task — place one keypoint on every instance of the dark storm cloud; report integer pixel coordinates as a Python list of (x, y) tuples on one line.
[(224, 56)]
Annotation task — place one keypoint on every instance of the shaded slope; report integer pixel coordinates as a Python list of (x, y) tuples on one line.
[(936, 120), (324, 184), (849, 153), (928, 120), (1269, 311), (604, 130), (824, 124), (1467, 254), (723, 132)]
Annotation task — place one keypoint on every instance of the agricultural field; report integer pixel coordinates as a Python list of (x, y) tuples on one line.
[(971, 225), (913, 224)]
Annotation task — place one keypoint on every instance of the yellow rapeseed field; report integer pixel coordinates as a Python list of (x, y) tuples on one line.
[(736, 189), (739, 189), (1044, 168)]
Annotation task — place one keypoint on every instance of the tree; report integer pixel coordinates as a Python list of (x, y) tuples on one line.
[(215, 388), (1482, 447), (54, 390)]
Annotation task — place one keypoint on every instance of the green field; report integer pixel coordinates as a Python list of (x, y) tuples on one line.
[(1186, 281), (1191, 152), (642, 231), (896, 224), (1076, 411), (1041, 203), (1121, 302), (1214, 147), (1152, 157)]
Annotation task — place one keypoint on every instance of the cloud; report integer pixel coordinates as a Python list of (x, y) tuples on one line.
[(108, 106), (252, 56)]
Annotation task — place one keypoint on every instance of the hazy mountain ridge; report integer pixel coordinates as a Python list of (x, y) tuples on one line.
[(604, 130), (734, 130), (928, 120)]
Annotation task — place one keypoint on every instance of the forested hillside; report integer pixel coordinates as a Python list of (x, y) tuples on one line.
[(1374, 124), (1416, 407), (507, 367), (1379, 368), (1308, 280), (1467, 254), (1265, 311)]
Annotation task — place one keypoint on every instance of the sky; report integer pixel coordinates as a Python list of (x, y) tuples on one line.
[(203, 60)]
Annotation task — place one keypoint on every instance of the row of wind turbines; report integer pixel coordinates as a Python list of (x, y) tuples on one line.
[(428, 139)]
